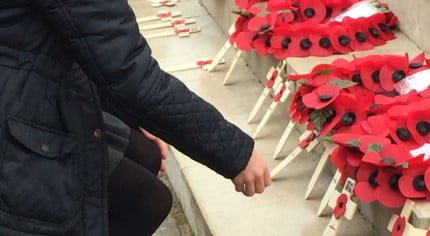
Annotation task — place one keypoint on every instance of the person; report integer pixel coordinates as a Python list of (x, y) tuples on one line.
[(54, 173)]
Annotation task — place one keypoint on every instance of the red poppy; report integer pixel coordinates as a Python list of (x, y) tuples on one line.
[(244, 40), (277, 5), (339, 38), (371, 143), (376, 125), (262, 44), (321, 44), (339, 158), (347, 113), (262, 24), (389, 155), (245, 4), (341, 204), (343, 65), (394, 70), (412, 183), (417, 64), (240, 24), (321, 96), (300, 42), (378, 21), (356, 29), (387, 193), (313, 11), (280, 43), (399, 226), (366, 182), (370, 76), (400, 133), (418, 124)]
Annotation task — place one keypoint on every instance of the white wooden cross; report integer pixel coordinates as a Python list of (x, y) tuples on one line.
[(295, 153), (273, 79), (329, 147), (180, 32), (330, 189), (342, 202), (281, 94), (176, 23), (399, 225), (224, 49), (162, 3), (232, 66), (202, 63), (283, 140), (160, 15)]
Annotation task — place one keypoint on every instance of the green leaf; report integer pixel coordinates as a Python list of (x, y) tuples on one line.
[(319, 117), (354, 143), (326, 138), (341, 83), (301, 81), (374, 147), (324, 71)]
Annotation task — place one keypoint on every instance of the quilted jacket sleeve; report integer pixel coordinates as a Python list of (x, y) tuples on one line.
[(106, 42)]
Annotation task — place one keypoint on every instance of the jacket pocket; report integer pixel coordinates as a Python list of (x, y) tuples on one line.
[(38, 175)]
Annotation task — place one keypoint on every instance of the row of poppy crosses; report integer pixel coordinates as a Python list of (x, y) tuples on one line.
[(300, 28), (354, 104)]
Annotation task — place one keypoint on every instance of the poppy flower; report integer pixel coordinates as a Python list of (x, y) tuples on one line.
[(321, 96), (358, 34), (339, 158), (262, 24), (240, 25), (341, 204), (378, 21), (376, 125), (262, 44), (399, 226), (371, 143), (418, 124), (374, 33), (321, 44), (313, 11), (339, 38), (366, 182), (417, 64), (394, 70), (277, 5), (280, 43), (412, 183), (324, 74), (389, 155), (388, 193), (370, 76), (245, 4), (300, 42), (245, 39), (347, 113), (400, 133)]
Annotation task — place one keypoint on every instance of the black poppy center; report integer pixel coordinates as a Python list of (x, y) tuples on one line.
[(360, 36), (415, 65), (344, 40), (305, 44), (325, 42), (372, 179), (309, 12), (393, 182), (255, 37), (325, 97), (383, 27), (419, 183), (374, 32), (296, 4), (356, 78), (301, 107), (403, 134), (328, 11), (375, 76), (423, 127), (398, 75), (348, 119), (285, 43), (265, 27), (267, 42)]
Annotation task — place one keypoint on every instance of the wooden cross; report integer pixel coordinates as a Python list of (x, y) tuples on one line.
[(224, 49), (180, 32), (400, 226), (273, 79), (160, 15), (331, 188), (202, 63), (343, 207), (295, 153), (232, 66), (283, 139), (177, 22), (329, 147), (281, 94)]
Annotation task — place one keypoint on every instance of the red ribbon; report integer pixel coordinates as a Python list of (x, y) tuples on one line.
[(183, 30), (178, 22), (279, 95), (164, 14), (203, 63)]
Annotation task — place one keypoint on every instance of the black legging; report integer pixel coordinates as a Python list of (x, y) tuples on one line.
[(138, 200)]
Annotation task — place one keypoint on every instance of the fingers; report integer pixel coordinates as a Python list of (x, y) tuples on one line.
[(239, 187), (260, 185), (163, 148), (267, 178), (249, 188)]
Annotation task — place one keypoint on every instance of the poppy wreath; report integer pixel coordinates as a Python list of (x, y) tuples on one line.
[(383, 135), (301, 28)]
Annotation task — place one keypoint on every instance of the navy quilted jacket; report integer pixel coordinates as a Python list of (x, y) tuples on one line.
[(53, 170)]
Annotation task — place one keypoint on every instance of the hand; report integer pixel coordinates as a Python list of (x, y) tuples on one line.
[(254, 178), (161, 145)]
